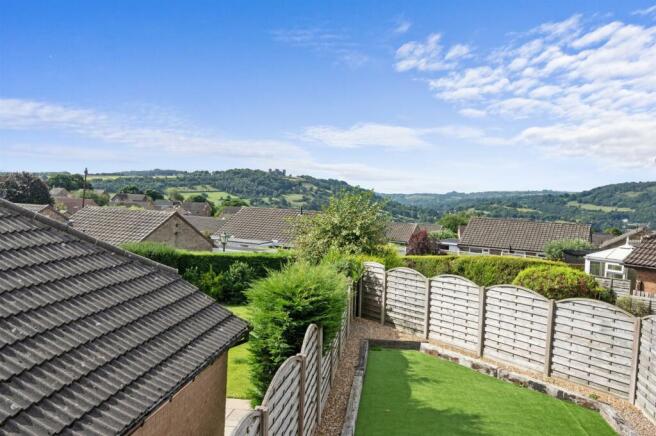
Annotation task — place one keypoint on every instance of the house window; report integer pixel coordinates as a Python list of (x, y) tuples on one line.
[(485, 251), (595, 268), (614, 271)]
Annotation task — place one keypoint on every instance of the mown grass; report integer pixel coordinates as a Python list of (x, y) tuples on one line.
[(408, 392), (239, 380)]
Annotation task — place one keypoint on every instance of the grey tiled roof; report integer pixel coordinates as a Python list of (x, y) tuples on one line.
[(205, 224), (34, 207), (519, 234), (92, 338), (643, 256), (118, 225), (623, 237), (400, 232), (262, 224)]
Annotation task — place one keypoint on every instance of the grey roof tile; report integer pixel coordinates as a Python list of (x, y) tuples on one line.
[(643, 256), (262, 224), (92, 338)]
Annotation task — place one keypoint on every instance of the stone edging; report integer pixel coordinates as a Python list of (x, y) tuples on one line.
[(607, 412)]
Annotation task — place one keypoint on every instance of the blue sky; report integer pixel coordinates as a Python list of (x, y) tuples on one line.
[(395, 96)]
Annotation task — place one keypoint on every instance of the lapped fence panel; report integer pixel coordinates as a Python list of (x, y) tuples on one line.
[(373, 287), (516, 326), (311, 350), (405, 299), (282, 399), (646, 384), (454, 311), (593, 345)]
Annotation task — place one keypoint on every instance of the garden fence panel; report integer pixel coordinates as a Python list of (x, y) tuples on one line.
[(250, 425), (373, 287), (311, 350), (593, 345), (454, 311), (516, 326), (405, 299), (282, 399), (646, 385)]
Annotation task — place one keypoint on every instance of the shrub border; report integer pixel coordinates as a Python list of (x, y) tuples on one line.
[(613, 417)]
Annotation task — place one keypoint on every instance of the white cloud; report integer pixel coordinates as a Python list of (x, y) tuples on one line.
[(402, 27), (578, 89), (429, 55), (366, 135)]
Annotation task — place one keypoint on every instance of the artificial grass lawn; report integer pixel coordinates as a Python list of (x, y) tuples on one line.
[(239, 380), (410, 393)]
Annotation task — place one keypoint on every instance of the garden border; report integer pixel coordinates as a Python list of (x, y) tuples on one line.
[(607, 412)]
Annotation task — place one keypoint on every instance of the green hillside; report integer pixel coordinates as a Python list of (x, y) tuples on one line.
[(605, 206)]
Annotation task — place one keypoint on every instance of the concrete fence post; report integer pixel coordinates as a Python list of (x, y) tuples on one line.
[(383, 299), (548, 343), (301, 397), (319, 372), (635, 355), (427, 318), (359, 309), (264, 420), (481, 320)]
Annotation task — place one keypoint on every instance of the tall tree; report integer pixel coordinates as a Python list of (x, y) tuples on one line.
[(71, 182), (24, 188)]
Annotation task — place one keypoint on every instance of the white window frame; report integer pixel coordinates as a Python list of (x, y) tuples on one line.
[(610, 273)]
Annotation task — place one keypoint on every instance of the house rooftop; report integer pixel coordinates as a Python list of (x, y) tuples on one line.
[(206, 224), (628, 234), (643, 256), (94, 339), (519, 234), (118, 225), (262, 224), (400, 232)]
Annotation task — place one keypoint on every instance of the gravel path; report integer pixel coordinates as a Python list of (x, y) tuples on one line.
[(335, 410)]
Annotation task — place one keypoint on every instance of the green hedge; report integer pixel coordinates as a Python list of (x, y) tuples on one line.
[(559, 282), (220, 262), (482, 270)]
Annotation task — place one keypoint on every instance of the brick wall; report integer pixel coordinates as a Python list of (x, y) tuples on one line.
[(197, 409), (178, 233), (648, 278)]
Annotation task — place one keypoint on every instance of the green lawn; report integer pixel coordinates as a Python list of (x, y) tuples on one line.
[(596, 207), (411, 393), (239, 381)]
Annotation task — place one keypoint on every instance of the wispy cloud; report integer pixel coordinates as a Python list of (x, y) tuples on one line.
[(366, 135), (429, 55), (336, 43), (402, 27), (580, 90), (646, 11), (136, 132)]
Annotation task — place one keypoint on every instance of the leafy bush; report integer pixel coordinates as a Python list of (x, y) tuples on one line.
[(209, 282), (350, 265), (283, 305), (634, 306), (443, 234), (482, 270), (559, 282), (236, 281), (452, 221), (387, 255), (422, 244), (555, 250)]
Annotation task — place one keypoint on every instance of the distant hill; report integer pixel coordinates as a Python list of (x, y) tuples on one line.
[(273, 188), (605, 206)]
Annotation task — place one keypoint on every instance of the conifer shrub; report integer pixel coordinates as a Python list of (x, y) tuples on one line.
[(283, 305)]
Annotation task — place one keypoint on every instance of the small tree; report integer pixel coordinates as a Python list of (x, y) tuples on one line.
[(353, 223), (174, 195), (555, 250), (443, 234), (24, 188), (612, 231), (198, 198), (452, 221), (421, 244), (70, 182), (130, 189), (154, 195)]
